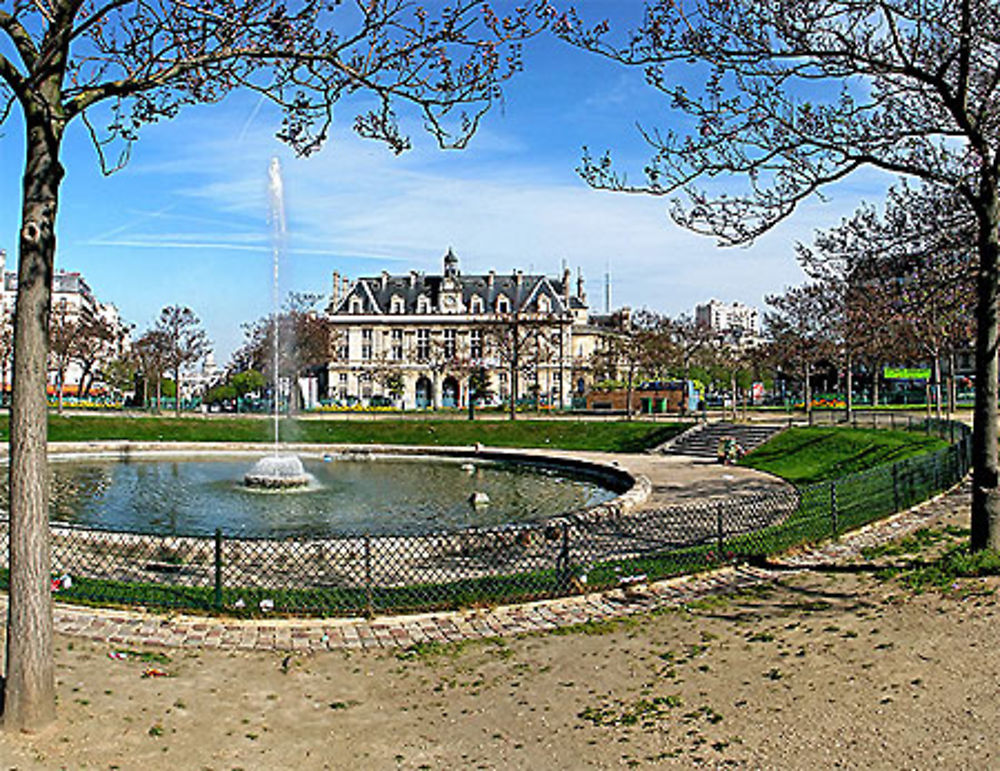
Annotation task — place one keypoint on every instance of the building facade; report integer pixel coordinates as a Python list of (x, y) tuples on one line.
[(73, 303), (743, 320), (415, 340)]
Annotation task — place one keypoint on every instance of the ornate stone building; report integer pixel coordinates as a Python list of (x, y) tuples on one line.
[(414, 340)]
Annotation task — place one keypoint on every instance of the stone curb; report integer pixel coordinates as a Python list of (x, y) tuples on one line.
[(143, 628)]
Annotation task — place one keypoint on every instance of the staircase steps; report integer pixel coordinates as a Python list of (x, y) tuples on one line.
[(703, 441)]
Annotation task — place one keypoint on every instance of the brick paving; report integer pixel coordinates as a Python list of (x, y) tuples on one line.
[(141, 628)]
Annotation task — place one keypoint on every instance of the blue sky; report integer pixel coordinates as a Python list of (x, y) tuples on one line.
[(186, 221)]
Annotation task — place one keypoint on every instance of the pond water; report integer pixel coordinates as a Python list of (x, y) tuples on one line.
[(383, 495)]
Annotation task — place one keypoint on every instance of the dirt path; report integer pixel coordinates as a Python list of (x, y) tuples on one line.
[(823, 669)]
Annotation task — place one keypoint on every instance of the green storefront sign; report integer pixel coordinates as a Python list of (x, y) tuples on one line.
[(904, 373)]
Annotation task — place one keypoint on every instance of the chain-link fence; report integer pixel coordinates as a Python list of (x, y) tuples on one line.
[(367, 574)]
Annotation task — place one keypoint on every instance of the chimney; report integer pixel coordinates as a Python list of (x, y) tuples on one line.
[(518, 277), (335, 296), (385, 279), (491, 278), (565, 287), (345, 285), (413, 278)]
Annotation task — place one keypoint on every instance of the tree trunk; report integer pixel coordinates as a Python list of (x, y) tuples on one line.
[(177, 391), (628, 396), (985, 472), (29, 679), (513, 374), (86, 380), (808, 395), (60, 377), (850, 389), (937, 383), (875, 376)]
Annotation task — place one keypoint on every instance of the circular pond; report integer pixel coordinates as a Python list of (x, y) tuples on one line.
[(405, 495)]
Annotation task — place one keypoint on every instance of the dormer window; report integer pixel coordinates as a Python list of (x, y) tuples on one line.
[(397, 304), (544, 305), (476, 304), (356, 305), (503, 304), (423, 304)]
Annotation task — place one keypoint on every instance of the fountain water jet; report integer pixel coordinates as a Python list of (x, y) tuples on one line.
[(277, 471)]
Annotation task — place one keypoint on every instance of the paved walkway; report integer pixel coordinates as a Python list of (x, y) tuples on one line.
[(136, 628)]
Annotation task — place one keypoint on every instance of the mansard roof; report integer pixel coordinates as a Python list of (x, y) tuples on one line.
[(522, 291)]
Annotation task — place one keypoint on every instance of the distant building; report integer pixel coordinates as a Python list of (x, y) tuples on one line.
[(743, 320), (73, 301), (427, 334)]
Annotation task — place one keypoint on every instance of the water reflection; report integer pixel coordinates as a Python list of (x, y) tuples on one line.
[(375, 496)]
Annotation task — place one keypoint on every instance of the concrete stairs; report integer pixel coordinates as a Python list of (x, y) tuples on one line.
[(702, 441)]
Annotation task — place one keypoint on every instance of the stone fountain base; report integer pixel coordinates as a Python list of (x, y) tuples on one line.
[(277, 472)]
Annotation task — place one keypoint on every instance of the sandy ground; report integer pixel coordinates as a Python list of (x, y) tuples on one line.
[(827, 669)]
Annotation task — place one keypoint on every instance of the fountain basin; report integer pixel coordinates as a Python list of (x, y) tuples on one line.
[(192, 490), (277, 472)]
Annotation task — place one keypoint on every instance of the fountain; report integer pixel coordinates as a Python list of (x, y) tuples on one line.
[(276, 471)]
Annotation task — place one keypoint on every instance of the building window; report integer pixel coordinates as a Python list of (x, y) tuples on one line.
[(397, 304), (356, 305), (449, 343), (366, 344), (423, 304), (397, 344), (476, 304), (544, 306), (476, 344), (423, 344), (503, 304), (344, 352)]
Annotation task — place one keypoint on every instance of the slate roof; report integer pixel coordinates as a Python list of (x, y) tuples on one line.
[(522, 291)]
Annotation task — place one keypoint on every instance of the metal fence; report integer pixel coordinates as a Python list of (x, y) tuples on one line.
[(367, 574)]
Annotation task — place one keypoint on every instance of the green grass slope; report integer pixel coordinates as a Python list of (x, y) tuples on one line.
[(807, 455), (606, 436)]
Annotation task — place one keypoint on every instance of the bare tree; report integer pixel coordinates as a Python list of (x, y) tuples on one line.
[(512, 340), (115, 65), (97, 345), (150, 352), (304, 341), (64, 333), (798, 95), (799, 333), (184, 341)]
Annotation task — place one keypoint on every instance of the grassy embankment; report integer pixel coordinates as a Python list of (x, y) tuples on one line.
[(607, 436), (808, 455)]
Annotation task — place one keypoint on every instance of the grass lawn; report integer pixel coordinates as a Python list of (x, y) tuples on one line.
[(807, 455), (607, 436)]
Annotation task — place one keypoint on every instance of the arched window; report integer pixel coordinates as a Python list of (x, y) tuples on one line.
[(356, 306), (544, 304), (476, 304), (423, 304), (503, 304), (397, 304)]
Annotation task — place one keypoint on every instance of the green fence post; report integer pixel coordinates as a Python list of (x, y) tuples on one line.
[(369, 608), (833, 507), (563, 561), (218, 568), (720, 533)]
